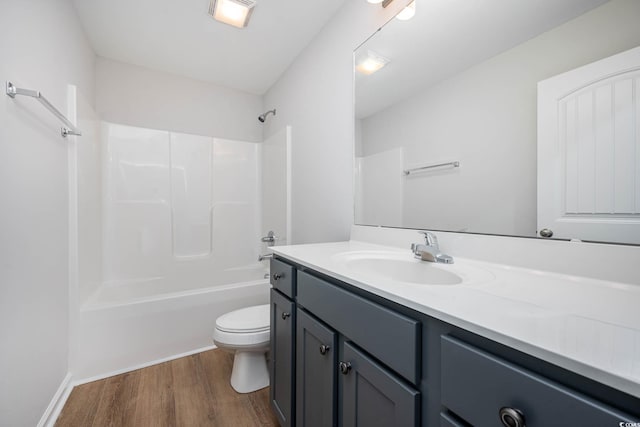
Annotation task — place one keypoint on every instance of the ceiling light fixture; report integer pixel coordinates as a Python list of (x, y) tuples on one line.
[(408, 12), (232, 12), (374, 1), (371, 63)]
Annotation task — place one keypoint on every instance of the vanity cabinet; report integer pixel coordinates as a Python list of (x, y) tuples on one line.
[(377, 347), (282, 358), (282, 345), (392, 338), (356, 362), (346, 357), (486, 390), (316, 373), (372, 395)]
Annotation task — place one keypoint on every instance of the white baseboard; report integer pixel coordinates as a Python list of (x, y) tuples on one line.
[(57, 403), (140, 366)]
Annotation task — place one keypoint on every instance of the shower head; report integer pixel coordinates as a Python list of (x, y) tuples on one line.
[(263, 117)]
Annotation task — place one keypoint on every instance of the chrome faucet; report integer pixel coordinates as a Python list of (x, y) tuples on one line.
[(265, 256), (270, 238), (430, 250)]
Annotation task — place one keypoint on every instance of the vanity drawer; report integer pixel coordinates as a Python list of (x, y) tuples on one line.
[(392, 338), (283, 277), (477, 385)]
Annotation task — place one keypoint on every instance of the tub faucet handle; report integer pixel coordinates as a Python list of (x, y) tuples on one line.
[(270, 238)]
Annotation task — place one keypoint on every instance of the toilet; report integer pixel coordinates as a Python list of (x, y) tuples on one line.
[(246, 332)]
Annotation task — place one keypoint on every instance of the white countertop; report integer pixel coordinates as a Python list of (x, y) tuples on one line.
[(588, 326)]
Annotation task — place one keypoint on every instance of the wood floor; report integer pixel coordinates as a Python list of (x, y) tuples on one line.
[(190, 391)]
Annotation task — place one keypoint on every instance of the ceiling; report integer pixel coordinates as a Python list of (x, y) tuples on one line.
[(179, 37), (448, 36)]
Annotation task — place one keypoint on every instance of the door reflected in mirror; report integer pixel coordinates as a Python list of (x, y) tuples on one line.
[(460, 83)]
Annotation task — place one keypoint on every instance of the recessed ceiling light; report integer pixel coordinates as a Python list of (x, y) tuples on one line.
[(374, 1), (371, 63), (232, 12), (408, 12)]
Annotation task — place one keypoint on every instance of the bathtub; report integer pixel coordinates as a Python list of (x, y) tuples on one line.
[(129, 325)]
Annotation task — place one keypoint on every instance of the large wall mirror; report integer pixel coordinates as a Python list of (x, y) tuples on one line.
[(517, 118)]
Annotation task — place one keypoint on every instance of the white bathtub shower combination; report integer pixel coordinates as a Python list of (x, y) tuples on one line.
[(182, 216)]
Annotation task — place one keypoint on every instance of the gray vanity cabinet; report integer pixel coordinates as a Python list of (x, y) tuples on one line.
[(372, 396), (341, 356), (486, 390), (367, 346), (316, 373), (282, 358), (282, 351), (369, 395)]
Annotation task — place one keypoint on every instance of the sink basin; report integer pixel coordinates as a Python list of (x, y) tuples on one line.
[(403, 267), (411, 271)]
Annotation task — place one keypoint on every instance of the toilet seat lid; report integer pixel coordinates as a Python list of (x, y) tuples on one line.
[(249, 319)]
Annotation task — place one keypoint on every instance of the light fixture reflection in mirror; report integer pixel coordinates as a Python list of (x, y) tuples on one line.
[(408, 12), (464, 87), (371, 63)]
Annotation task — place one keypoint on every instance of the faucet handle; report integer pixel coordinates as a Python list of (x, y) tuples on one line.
[(270, 238), (429, 238)]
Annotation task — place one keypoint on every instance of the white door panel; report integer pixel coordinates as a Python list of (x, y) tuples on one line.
[(589, 151)]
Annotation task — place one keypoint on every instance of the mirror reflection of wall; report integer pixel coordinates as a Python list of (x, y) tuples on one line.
[(460, 84)]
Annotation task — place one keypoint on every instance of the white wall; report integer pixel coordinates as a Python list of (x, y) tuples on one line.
[(44, 48), (131, 95), (315, 97), (456, 120)]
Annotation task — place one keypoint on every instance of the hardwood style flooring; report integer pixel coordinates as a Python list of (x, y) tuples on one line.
[(191, 391)]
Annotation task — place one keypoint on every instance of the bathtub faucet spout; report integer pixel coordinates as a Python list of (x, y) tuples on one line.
[(265, 256)]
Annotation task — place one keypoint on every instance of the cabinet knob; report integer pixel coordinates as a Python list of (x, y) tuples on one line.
[(278, 276), (324, 349), (511, 417), (345, 367), (285, 315)]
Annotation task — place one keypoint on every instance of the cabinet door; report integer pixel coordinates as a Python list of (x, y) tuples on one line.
[(316, 373), (281, 365), (372, 396)]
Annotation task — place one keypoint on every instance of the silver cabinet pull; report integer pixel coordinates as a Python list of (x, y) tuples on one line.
[(511, 417), (324, 349), (278, 276), (345, 367), (285, 315)]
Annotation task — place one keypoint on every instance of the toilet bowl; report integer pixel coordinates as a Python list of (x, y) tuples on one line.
[(246, 332)]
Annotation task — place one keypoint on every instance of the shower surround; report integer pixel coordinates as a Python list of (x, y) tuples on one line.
[(181, 218), (178, 206)]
